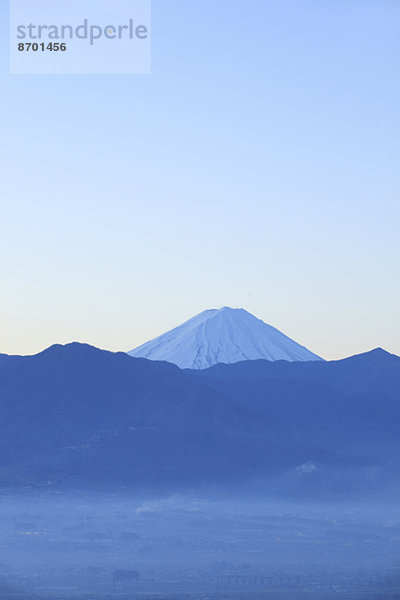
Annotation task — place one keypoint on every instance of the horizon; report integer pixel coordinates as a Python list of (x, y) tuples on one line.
[(231, 308), (87, 344)]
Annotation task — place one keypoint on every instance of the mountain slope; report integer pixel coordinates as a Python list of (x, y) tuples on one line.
[(374, 371), (76, 413), (81, 416), (222, 336)]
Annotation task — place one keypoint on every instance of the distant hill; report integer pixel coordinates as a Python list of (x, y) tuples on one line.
[(76, 415), (227, 336)]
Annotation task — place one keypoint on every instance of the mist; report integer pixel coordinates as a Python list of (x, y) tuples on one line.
[(120, 544)]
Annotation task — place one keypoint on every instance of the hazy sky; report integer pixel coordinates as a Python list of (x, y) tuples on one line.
[(257, 167)]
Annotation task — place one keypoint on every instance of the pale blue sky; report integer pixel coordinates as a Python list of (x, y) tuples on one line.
[(258, 166)]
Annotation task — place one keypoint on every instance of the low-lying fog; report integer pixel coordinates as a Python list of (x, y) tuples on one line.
[(98, 545)]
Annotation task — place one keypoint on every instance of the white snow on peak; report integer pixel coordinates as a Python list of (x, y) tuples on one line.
[(225, 335)]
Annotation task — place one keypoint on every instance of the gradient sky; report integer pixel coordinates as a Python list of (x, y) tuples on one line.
[(257, 167)]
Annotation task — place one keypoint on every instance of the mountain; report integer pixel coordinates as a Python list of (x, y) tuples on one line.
[(227, 336), (80, 416), (375, 371), (76, 413)]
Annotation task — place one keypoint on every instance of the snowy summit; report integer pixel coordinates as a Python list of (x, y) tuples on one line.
[(224, 335)]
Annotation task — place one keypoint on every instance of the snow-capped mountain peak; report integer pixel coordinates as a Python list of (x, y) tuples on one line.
[(225, 335)]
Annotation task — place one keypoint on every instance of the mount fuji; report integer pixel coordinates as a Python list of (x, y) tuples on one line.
[(224, 335)]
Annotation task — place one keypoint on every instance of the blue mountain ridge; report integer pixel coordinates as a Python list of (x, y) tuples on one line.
[(77, 415)]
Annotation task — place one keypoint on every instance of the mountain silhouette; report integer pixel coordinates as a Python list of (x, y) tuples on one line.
[(82, 416)]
